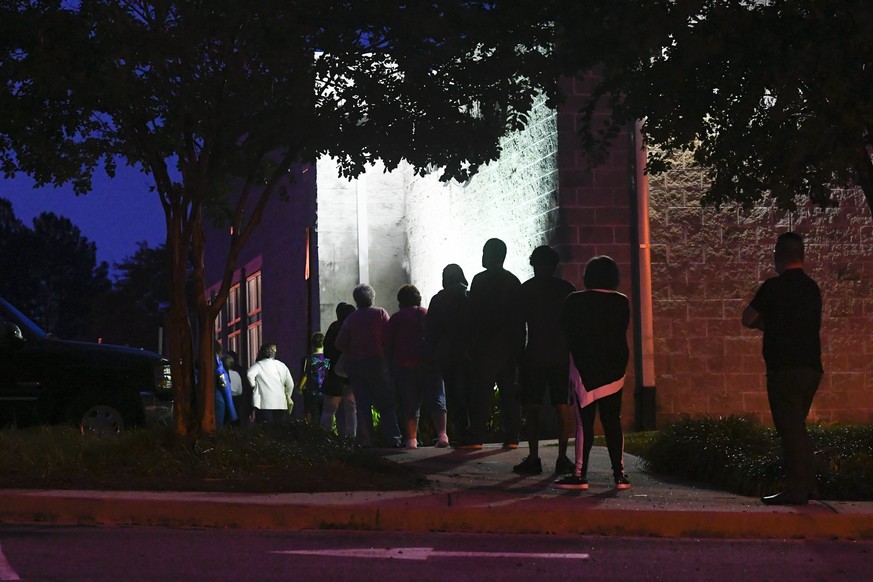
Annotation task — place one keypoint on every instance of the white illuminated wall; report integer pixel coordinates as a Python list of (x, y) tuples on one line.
[(417, 225)]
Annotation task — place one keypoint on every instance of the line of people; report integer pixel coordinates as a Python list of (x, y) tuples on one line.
[(532, 339)]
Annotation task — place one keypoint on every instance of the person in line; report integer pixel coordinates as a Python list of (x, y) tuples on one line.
[(236, 384), (315, 369), (416, 377), (595, 323), (448, 339), (498, 342), (336, 387), (546, 360), (224, 408), (787, 308), (361, 339), (272, 387)]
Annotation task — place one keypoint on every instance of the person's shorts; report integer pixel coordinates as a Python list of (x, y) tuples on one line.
[(534, 381), (334, 385)]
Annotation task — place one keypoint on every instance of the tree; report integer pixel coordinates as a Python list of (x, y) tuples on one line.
[(132, 313), (772, 97), (65, 276), (217, 100), (51, 272)]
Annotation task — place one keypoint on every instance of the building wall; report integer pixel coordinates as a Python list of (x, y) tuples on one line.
[(707, 265), (278, 246), (595, 212), (513, 198), (384, 237)]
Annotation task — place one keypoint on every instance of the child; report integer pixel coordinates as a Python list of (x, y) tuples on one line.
[(314, 374)]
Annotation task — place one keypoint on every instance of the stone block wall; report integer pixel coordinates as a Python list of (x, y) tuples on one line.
[(707, 265), (385, 236), (513, 198)]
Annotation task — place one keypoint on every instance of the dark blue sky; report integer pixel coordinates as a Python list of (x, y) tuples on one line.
[(116, 215)]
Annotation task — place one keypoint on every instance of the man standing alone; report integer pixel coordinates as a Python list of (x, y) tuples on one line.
[(788, 309)]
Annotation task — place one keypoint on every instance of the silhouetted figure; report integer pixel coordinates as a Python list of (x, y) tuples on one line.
[(546, 361), (595, 323), (337, 388), (448, 338), (788, 309), (415, 376), (498, 342), (361, 341)]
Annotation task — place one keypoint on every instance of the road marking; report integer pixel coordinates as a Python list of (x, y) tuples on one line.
[(425, 553), (6, 571)]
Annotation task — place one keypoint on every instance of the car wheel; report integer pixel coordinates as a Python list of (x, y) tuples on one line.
[(102, 419)]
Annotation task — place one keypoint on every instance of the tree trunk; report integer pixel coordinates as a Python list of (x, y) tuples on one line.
[(180, 331)]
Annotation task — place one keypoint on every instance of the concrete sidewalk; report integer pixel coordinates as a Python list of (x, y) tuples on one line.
[(468, 491)]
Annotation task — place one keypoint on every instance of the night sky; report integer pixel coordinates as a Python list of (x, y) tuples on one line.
[(116, 215)]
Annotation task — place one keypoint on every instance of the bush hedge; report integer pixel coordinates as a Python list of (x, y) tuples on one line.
[(739, 455)]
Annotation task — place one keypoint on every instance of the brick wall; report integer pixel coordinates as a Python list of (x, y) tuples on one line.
[(595, 213), (706, 267)]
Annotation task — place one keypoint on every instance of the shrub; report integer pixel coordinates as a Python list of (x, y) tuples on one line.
[(738, 455)]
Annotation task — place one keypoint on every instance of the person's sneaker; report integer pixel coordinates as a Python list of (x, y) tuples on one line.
[(468, 446), (510, 445), (529, 466), (442, 442), (564, 465), (621, 482), (412, 444), (571, 483)]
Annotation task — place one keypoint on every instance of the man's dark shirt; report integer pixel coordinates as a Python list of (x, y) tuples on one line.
[(495, 311), (790, 306), (542, 299)]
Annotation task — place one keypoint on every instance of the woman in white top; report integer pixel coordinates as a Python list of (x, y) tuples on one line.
[(272, 386)]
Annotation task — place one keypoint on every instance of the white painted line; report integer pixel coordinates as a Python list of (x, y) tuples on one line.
[(425, 553), (6, 571)]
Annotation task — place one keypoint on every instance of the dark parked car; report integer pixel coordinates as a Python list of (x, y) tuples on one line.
[(45, 380)]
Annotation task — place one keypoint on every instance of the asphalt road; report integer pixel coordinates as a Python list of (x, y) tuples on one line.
[(143, 553)]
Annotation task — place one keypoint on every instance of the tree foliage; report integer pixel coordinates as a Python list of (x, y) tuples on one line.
[(771, 96), (217, 100), (51, 272)]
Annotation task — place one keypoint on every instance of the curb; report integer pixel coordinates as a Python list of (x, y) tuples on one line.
[(423, 513)]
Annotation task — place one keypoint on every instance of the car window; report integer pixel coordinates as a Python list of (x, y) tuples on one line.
[(11, 314)]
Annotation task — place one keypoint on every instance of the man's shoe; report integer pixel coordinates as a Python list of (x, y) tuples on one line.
[(571, 483), (785, 498), (621, 482), (442, 442), (529, 466), (564, 465)]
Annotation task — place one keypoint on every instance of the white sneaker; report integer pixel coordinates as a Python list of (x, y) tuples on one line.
[(413, 444), (442, 442)]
